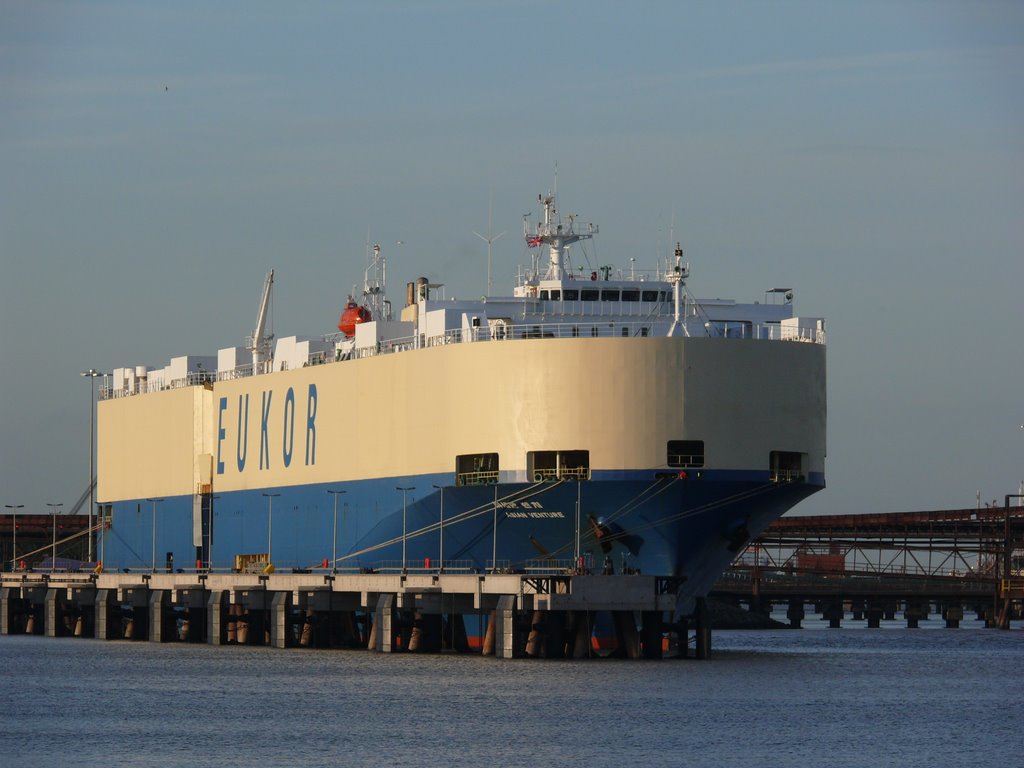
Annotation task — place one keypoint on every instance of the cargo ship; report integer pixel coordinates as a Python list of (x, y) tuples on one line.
[(598, 419)]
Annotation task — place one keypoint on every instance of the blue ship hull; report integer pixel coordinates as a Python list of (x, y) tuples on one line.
[(654, 523)]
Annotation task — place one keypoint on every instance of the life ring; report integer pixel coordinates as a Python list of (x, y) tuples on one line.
[(538, 477), (593, 275)]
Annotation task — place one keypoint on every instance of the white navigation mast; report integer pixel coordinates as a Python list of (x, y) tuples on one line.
[(678, 277), (374, 286), (556, 235)]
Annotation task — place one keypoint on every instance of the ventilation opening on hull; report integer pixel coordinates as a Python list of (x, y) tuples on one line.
[(543, 466), (686, 453), (476, 469), (786, 466)]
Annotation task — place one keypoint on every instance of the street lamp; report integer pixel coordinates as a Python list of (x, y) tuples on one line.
[(53, 546), (440, 528), (494, 534), (404, 489), (334, 538), (579, 492), (270, 523), (154, 502), (14, 532), (92, 373)]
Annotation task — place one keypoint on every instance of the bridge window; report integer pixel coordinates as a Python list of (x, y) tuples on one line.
[(476, 469), (631, 295), (607, 295), (650, 295), (589, 294), (544, 466), (686, 453), (572, 294), (786, 466), (543, 294), (556, 295)]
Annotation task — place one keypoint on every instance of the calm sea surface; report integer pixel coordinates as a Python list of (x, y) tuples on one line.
[(814, 697)]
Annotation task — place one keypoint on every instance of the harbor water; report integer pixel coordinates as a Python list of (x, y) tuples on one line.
[(846, 697)]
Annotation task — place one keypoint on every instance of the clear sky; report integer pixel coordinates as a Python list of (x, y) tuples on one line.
[(156, 159)]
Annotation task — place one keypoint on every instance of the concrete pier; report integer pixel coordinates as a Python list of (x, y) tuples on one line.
[(541, 616)]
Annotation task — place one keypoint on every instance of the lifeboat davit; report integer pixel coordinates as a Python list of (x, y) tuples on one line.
[(351, 317)]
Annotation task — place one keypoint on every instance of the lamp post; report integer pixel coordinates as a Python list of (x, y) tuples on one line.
[(579, 493), (14, 533), (494, 534), (152, 566), (440, 528), (92, 373), (404, 489), (53, 546), (334, 537), (270, 523)]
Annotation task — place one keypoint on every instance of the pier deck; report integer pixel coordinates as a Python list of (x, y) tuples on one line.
[(552, 615)]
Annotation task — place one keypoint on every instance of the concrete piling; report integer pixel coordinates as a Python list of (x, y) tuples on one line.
[(549, 617)]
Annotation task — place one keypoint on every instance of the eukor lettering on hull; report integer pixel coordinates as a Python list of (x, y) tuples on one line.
[(267, 414)]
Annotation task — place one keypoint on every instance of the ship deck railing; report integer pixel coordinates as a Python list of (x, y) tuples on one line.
[(486, 477), (496, 332)]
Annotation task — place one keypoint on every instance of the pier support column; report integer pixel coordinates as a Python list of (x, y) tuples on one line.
[(384, 624), (795, 613), (874, 613), (108, 615), (580, 630), (626, 635), (8, 604), (682, 630), (216, 618), (953, 614), (506, 636), (914, 613), (833, 613), (554, 634), (857, 609), (85, 607), (488, 647), (54, 621), (535, 640), (280, 607), (651, 624), (703, 622), (161, 619)]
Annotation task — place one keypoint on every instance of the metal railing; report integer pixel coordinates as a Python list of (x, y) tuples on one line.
[(491, 333), (562, 473), (488, 477)]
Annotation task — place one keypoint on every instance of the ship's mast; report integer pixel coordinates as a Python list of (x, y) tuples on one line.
[(678, 277), (374, 286), (556, 235)]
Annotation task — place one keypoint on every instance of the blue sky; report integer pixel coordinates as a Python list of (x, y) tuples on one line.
[(158, 158)]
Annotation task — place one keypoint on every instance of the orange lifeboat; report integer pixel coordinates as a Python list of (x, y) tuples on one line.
[(351, 317)]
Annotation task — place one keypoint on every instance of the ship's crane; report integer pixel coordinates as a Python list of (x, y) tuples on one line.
[(259, 342)]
